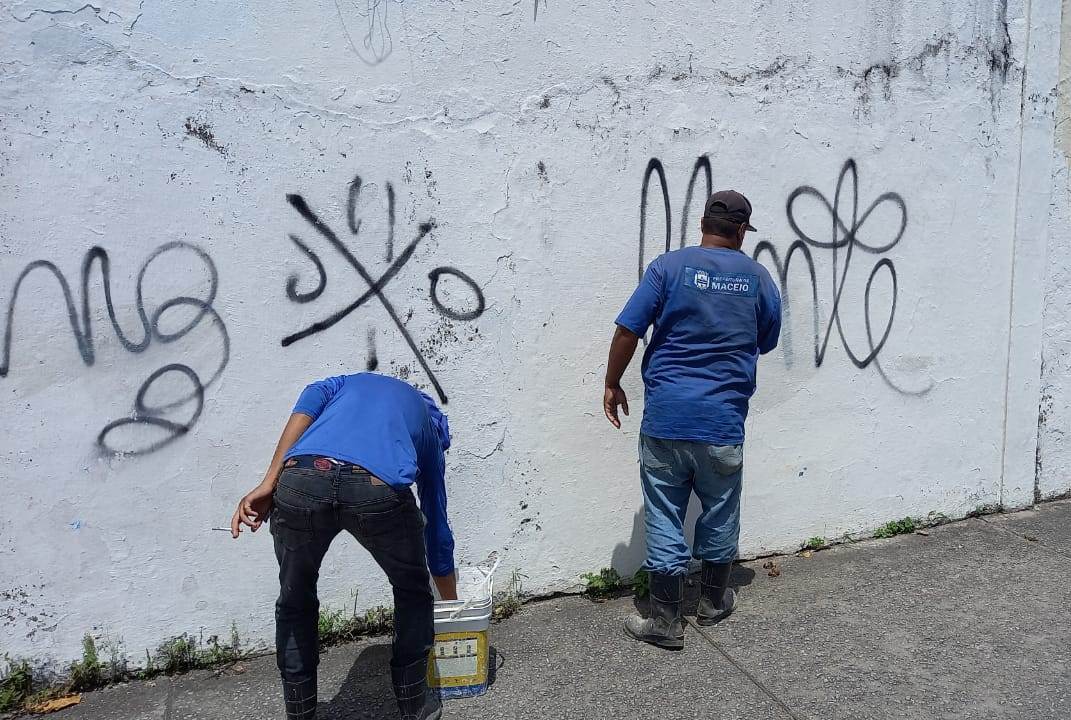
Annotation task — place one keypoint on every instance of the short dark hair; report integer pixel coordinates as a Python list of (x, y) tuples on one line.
[(720, 227)]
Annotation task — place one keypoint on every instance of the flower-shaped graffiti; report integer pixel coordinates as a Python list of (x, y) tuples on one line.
[(375, 286), (845, 237), (845, 241)]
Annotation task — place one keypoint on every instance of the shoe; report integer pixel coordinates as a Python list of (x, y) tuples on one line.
[(300, 699), (716, 600), (665, 627), (415, 700)]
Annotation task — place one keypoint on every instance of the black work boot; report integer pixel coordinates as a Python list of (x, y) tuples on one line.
[(415, 700), (300, 699), (716, 600), (665, 627)]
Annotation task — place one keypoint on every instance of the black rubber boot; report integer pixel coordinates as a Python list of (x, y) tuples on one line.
[(716, 600), (300, 699), (665, 627), (415, 700)]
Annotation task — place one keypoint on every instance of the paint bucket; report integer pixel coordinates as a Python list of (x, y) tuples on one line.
[(460, 657)]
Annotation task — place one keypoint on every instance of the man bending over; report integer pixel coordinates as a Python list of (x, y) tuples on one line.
[(346, 460)]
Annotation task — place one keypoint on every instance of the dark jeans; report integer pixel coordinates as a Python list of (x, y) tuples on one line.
[(311, 507)]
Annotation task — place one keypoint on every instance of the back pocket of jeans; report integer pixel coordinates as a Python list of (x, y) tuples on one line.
[(727, 459), (400, 521), (290, 525), (654, 455)]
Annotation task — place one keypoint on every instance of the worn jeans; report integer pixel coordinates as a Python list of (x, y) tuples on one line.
[(310, 508), (670, 470)]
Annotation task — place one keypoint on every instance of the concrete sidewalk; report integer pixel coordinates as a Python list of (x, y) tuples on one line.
[(970, 621)]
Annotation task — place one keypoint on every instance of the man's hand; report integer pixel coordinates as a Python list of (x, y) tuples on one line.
[(611, 398), (446, 585), (252, 509)]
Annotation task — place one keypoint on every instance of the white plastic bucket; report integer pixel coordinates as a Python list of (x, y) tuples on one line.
[(460, 658)]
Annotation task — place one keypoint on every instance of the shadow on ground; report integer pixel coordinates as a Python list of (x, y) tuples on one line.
[(366, 692)]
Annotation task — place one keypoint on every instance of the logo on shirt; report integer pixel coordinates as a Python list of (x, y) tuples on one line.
[(740, 284)]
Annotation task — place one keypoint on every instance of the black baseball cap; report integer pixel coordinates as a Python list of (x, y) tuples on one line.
[(729, 205)]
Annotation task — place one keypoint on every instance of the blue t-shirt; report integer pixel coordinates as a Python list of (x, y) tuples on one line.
[(714, 310), (392, 430)]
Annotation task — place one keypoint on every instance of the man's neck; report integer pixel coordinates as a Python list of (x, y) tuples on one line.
[(718, 241)]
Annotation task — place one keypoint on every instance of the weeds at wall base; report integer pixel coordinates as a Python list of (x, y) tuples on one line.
[(508, 603), (602, 585), (16, 685), (608, 583), (338, 626)]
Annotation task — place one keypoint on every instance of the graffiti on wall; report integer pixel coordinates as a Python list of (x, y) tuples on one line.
[(374, 286), (145, 414), (844, 243), (367, 28)]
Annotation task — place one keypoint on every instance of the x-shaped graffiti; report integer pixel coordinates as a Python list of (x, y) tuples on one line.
[(375, 285)]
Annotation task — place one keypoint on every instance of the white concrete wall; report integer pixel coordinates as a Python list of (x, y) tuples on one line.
[(1054, 453), (524, 131)]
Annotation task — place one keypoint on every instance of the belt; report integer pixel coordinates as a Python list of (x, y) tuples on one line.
[(316, 462)]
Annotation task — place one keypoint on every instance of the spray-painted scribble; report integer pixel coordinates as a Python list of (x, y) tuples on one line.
[(372, 42), (654, 167), (375, 286), (450, 312), (143, 414), (845, 238)]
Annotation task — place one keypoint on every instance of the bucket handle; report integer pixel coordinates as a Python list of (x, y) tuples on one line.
[(487, 575)]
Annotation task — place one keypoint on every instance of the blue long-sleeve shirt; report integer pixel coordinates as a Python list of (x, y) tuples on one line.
[(392, 430)]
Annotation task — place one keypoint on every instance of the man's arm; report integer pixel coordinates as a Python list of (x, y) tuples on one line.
[(431, 488), (639, 312), (438, 537), (622, 348), (770, 329), (254, 507)]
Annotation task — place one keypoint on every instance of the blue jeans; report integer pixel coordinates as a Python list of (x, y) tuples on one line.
[(670, 471)]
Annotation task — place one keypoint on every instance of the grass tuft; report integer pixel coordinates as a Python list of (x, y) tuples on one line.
[(509, 602), (602, 584), (816, 543), (641, 583), (339, 626), (16, 685), (897, 527)]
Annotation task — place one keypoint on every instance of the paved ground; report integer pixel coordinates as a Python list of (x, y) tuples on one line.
[(970, 621)]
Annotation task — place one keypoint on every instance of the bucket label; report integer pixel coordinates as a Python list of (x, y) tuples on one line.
[(457, 658)]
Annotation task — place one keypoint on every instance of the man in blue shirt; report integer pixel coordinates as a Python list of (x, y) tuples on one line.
[(346, 460), (714, 311)]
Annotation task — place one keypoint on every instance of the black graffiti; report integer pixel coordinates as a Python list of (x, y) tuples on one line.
[(375, 286), (373, 357), (150, 329), (844, 243), (449, 312), (145, 415), (376, 43), (654, 167)]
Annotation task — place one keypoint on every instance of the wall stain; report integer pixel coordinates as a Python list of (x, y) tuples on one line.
[(203, 132)]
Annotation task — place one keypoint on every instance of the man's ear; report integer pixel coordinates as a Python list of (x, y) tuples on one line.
[(741, 232)]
